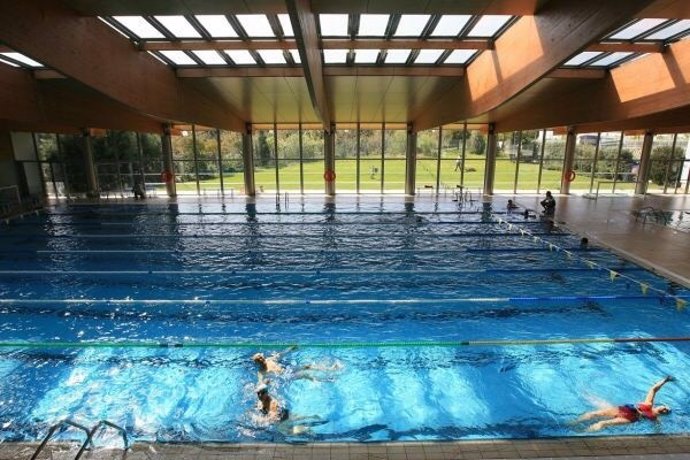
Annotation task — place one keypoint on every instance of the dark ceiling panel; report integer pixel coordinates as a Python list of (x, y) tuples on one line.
[(174, 7)]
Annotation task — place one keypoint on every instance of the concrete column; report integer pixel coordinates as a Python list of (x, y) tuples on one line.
[(645, 164), (490, 167), (248, 160), (568, 160), (92, 188), (168, 174), (329, 160), (410, 161)]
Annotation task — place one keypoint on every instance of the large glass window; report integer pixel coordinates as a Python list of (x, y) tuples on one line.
[(312, 157), (264, 161), (183, 161), (395, 152), (529, 161), (426, 169), (475, 159), (454, 152), (233, 166), (346, 158), (586, 153), (371, 160), (508, 150), (289, 160), (552, 162), (668, 166), (207, 158), (607, 159)]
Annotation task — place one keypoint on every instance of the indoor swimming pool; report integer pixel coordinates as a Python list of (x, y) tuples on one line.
[(418, 321)]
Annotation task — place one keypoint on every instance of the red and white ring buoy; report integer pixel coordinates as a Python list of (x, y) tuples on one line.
[(329, 175), (570, 175), (167, 176)]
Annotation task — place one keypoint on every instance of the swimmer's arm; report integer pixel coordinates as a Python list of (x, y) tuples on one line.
[(287, 350), (655, 388)]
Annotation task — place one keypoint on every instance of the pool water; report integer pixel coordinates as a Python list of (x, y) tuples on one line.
[(147, 315)]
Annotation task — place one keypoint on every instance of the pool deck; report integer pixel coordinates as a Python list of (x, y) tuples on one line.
[(607, 221)]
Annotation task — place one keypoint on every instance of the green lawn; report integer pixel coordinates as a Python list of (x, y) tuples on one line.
[(394, 177)]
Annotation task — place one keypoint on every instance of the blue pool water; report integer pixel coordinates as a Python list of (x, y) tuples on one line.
[(394, 297)]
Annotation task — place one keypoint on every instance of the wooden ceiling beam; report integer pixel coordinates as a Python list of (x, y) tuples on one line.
[(621, 96), (303, 21), (27, 102), (87, 50), (528, 51)]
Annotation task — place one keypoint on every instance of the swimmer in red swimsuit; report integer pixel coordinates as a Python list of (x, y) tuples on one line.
[(629, 413)]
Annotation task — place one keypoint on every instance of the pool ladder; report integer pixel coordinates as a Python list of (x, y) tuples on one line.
[(89, 435)]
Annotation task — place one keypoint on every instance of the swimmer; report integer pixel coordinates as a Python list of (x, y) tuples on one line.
[(584, 243), (510, 206), (629, 413), (270, 407), (270, 365)]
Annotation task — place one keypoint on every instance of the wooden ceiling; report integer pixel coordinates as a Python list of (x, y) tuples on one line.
[(97, 78)]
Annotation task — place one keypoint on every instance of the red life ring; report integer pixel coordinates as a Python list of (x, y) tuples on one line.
[(329, 175), (570, 175), (167, 176)]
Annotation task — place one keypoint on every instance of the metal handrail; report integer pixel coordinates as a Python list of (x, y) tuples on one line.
[(52, 431), (93, 431)]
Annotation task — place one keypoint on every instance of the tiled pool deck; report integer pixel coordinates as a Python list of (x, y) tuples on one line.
[(607, 222)]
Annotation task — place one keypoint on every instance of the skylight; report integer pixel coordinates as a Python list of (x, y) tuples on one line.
[(611, 59), (582, 57), (366, 56), (9, 63), (178, 26), (396, 56), (411, 25), (428, 56), (450, 25), (256, 25), (372, 25), (295, 56), (272, 56), (333, 25), (240, 57), (179, 57), (210, 57), (637, 28), (488, 25), (19, 57), (139, 26), (670, 31), (334, 56), (459, 56), (216, 25), (286, 25)]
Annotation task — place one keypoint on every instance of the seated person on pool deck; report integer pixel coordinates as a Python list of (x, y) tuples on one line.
[(629, 413), (549, 204)]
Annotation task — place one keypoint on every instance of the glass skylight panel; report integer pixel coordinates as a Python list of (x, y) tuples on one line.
[(178, 26), (411, 25), (8, 63), (450, 25), (582, 57), (256, 25), (397, 56), (366, 56), (333, 25), (240, 57), (611, 59), (286, 25), (459, 56), (272, 56), (334, 56), (638, 28), (488, 25), (179, 57), (372, 25), (428, 56), (670, 31), (210, 57), (139, 26), (19, 57), (216, 25)]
